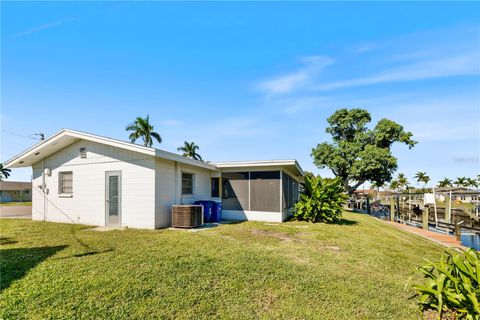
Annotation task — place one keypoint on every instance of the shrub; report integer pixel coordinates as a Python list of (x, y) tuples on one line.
[(451, 286), (321, 201)]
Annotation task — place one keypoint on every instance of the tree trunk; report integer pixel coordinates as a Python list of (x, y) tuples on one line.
[(351, 189)]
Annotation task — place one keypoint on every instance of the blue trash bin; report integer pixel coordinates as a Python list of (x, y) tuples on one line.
[(207, 209), (217, 212)]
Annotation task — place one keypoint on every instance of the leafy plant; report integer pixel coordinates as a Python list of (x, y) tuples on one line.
[(321, 201), (452, 285)]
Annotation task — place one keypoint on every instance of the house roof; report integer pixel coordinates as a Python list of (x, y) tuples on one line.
[(66, 137), (457, 190), (289, 163), (15, 185)]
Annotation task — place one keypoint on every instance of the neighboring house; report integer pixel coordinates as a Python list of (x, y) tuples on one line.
[(13, 191), (85, 178), (462, 194)]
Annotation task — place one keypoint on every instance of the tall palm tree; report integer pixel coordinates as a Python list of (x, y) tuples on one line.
[(141, 128), (471, 183), (394, 185), (422, 177), (402, 181), (460, 182), (4, 172), (378, 185), (190, 150), (445, 183)]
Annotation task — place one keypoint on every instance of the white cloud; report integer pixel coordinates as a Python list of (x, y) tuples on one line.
[(312, 65), (304, 103), (365, 47), (443, 131), (456, 65), (52, 24)]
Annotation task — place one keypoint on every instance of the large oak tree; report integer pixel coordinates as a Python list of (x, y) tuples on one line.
[(358, 154)]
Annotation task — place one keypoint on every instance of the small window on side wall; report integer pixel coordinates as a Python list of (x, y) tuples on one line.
[(65, 182), (187, 183), (215, 186)]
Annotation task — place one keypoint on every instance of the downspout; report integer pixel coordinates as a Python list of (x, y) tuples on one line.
[(176, 183), (44, 186), (281, 193)]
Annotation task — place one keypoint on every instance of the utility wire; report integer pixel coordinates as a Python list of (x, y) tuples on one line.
[(18, 135)]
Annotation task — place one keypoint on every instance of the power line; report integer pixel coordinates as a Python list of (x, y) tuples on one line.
[(19, 135)]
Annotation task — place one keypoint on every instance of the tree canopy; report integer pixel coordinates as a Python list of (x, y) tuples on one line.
[(358, 154)]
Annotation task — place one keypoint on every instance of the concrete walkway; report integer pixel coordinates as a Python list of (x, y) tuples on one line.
[(440, 238), (17, 212)]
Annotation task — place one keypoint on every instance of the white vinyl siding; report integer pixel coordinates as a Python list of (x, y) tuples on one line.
[(168, 188), (87, 206)]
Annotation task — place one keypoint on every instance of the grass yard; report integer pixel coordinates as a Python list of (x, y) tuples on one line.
[(250, 270), (8, 204)]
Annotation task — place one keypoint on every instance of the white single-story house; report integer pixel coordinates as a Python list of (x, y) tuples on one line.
[(84, 178), (460, 194), (15, 191)]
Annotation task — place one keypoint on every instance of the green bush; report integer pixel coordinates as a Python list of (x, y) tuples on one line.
[(322, 200), (451, 285)]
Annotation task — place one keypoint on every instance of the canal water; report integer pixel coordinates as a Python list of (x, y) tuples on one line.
[(471, 240)]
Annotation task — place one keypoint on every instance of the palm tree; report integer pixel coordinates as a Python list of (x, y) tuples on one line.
[(402, 181), (422, 177), (445, 183), (460, 182), (471, 183), (4, 172), (378, 185), (394, 185), (141, 128), (190, 150)]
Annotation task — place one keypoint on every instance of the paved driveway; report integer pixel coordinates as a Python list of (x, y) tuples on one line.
[(19, 212)]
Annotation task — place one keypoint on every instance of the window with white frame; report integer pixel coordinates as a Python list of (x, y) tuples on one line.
[(65, 182), (187, 183)]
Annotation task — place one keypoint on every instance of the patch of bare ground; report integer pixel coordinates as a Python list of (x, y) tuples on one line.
[(267, 301), (433, 315), (331, 248), (278, 235), (227, 237), (298, 260)]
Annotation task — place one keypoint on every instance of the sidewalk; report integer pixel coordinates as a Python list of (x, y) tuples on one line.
[(442, 239)]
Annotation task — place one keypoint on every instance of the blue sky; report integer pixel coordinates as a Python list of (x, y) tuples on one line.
[(245, 81)]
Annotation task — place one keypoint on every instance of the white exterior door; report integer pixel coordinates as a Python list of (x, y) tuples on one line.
[(113, 198)]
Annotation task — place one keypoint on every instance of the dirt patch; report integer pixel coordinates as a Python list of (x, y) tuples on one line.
[(298, 260), (331, 248), (433, 315), (267, 301), (278, 235), (227, 237)]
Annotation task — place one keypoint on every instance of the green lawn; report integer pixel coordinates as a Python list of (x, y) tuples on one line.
[(15, 204), (295, 270)]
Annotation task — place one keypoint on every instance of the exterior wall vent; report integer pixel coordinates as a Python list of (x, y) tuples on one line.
[(83, 153)]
